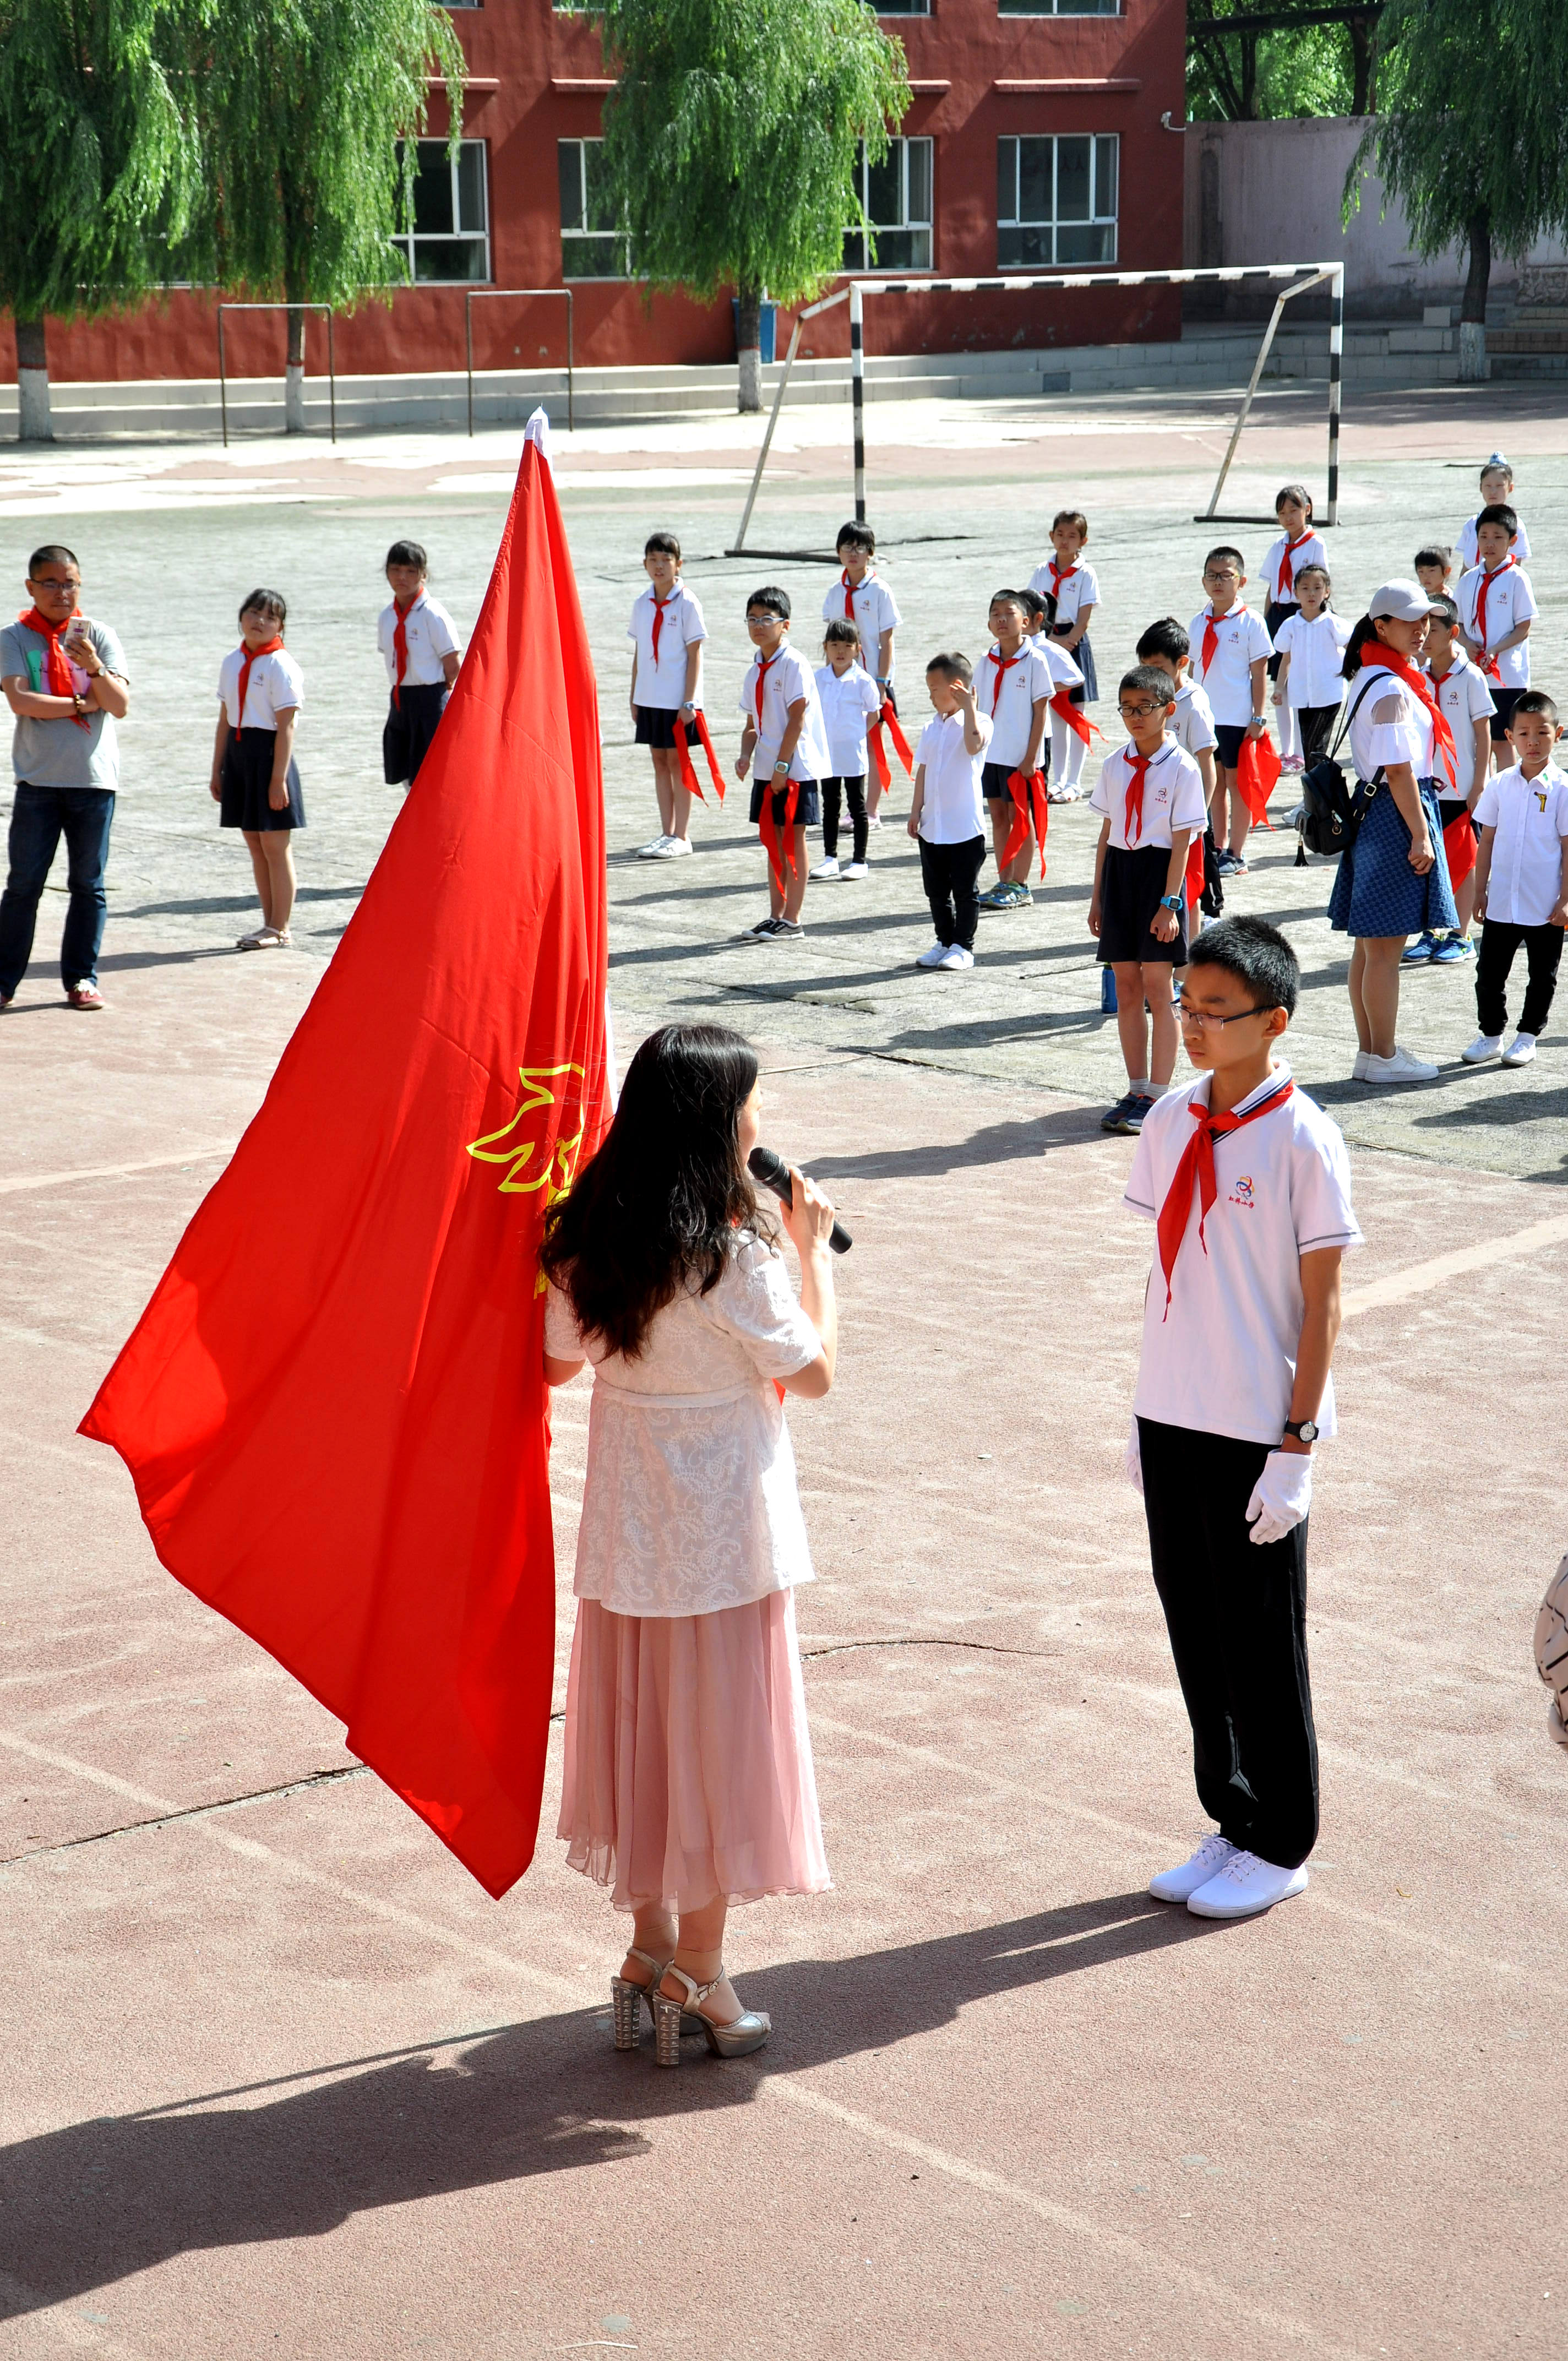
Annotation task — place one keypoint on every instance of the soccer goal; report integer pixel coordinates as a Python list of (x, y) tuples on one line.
[(1299, 277)]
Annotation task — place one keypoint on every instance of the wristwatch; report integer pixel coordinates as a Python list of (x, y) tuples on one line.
[(780, 766), (1171, 901), (1305, 1430)]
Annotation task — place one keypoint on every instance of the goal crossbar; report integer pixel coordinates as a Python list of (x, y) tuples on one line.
[(1304, 275)]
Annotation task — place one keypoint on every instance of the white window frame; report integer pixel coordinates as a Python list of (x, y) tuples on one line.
[(900, 146), (1053, 229), (1058, 8), (407, 241), (608, 237)]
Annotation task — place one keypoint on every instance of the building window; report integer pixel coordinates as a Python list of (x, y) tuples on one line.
[(1059, 7), (897, 194), (903, 7), (450, 235), (593, 245), (1056, 202)]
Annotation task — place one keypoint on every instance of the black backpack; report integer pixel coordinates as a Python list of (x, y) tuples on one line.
[(1331, 815)]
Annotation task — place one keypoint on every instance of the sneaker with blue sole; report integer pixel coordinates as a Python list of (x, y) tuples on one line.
[(1417, 953), (1453, 951)]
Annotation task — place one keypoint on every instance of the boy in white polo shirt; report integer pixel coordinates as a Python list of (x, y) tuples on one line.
[(1019, 678), (1463, 695), (419, 641), (1496, 607), (1231, 650), (851, 699), (1248, 1184), (667, 631), (861, 596), (1521, 881), (945, 815), (785, 746)]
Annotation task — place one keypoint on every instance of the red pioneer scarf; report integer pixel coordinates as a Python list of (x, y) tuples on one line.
[(887, 719), (769, 828), (55, 658), (1488, 662), (1459, 844), (659, 607), (402, 610), (1061, 574), (1257, 770), (1287, 584), (1383, 659), (1076, 720), (688, 772), (248, 656), (849, 597), (1192, 882), (1196, 1170), (1029, 804), (1132, 806), (1004, 664)]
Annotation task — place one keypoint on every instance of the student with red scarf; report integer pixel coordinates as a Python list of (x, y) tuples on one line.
[(64, 679), (256, 780), (1393, 880)]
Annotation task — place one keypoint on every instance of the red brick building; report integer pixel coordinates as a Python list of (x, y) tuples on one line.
[(1033, 142)]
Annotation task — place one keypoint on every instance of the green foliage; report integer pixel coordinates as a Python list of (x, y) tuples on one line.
[(1266, 77), (731, 138), (100, 158), (305, 103)]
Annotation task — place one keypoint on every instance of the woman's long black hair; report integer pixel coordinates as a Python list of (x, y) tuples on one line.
[(657, 1207), (1363, 633)]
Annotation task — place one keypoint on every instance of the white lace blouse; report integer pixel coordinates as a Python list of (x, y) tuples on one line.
[(690, 1502)]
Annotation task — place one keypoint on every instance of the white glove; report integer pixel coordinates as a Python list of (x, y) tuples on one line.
[(1132, 1459), (1281, 1496)]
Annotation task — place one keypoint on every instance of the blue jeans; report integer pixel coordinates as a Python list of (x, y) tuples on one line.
[(40, 817)]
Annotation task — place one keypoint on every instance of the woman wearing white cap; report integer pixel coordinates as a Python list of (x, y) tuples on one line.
[(1393, 881)]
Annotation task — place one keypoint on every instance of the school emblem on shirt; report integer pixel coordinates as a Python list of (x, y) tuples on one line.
[(1540, 799), (1242, 1193)]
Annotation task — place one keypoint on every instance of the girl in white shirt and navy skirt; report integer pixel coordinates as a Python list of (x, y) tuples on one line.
[(688, 1780), (256, 780)]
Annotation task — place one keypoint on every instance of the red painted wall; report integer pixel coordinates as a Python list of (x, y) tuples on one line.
[(527, 51)]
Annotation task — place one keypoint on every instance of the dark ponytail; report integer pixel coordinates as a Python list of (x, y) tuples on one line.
[(1366, 630)]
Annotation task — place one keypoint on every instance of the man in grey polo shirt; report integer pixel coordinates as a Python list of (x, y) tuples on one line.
[(64, 679)]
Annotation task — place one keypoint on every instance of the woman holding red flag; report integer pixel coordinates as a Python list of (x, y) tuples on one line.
[(1393, 879), (688, 1779)]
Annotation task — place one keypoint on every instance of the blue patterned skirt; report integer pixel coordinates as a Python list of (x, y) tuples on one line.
[(1376, 892)]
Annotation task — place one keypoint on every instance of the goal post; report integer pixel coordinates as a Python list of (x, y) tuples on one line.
[(1304, 276)]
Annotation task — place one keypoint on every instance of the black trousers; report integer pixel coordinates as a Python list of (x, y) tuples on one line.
[(1500, 940), (834, 792), (1314, 722), (951, 874), (1236, 1612)]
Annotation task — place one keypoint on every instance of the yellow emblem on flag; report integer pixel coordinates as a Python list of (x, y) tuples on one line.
[(554, 1172)]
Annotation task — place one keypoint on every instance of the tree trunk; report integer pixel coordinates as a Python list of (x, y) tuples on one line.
[(1364, 64), (33, 422), (294, 374), (748, 348), (1472, 366), (1249, 78)]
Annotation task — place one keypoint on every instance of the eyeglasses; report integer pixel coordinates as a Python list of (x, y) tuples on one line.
[(760, 622), (1139, 712), (1197, 1016), (64, 590)]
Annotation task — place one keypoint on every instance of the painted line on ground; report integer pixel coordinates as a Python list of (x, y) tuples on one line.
[(1422, 1277), (115, 1171)]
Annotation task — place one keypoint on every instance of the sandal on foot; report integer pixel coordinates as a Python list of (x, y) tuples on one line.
[(673, 2017), (626, 1999)]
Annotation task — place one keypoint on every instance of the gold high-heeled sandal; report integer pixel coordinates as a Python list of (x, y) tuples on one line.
[(626, 2000), (673, 2017)]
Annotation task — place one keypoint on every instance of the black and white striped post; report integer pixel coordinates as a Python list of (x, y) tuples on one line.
[(858, 392), (1336, 352)]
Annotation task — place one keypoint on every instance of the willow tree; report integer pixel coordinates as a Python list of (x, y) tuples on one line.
[(309, 109), (1474, 137), (99, 166), (730, 144)]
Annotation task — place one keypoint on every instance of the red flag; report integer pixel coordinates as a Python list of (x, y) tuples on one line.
[(1257, 768), (334, 1407)]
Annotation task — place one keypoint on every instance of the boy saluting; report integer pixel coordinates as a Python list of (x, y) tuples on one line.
[(1248, 1184)]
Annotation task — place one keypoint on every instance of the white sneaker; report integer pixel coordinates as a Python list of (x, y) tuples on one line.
[(955, 957), (1485, 1046), (654, 850), (1245, 1885), (1358, 1071), (671, 849), (826, 868), (874, 820), (1521, 1050), (934, 957), (1178, 1884), (1400, 1068), (855, 869)]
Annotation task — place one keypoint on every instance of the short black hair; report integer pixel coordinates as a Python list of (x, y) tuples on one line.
[(1071, 516), (53, 553), (1165, 638), (955, 666), (856, 537), (1007, 598), (1146, 680), (264, 602), (1534, 700), (1498, 513), (839, 632), (408, 553), (771, 601), (1436, 553), (1256, 954), (663, 544), (1225, 550), (1444, 612)]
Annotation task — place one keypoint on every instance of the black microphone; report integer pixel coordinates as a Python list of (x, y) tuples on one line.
[(773, 1173)]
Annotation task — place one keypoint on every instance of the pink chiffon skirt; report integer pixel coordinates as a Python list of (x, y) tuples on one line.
[(688, 1768)]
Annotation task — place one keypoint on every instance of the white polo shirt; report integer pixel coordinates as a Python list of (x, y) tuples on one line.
[(1222, 1360), (1465, 699), (1309, 551), (662, 685), (1510, 600), (1316, 651), (1530, 816), (276, 686), (849, 699), (1007, 691), (429, 633), (952, 810), (875, 611), (1173, 796), (1192, 723), (788, 677), (1242, 638), (1468, 554), (1080, 588)]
